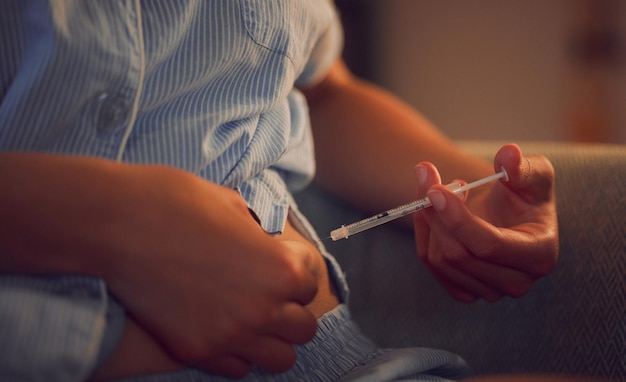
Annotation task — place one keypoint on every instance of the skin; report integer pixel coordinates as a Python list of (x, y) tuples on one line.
[(494, 244), (179, 273), (175, 279), (474, 259), (150, 357)]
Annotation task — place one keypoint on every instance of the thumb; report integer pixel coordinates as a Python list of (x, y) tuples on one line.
[(531, 176)]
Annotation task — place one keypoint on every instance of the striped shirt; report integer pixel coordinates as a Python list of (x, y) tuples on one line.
[(205, 86)]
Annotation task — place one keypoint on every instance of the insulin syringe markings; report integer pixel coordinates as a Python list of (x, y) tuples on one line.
[(347, 230)]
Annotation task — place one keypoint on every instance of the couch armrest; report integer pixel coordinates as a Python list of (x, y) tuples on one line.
[(571, 322)]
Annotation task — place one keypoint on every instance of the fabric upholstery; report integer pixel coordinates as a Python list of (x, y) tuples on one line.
[(572, 322)]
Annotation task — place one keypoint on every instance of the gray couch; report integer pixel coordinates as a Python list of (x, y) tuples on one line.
[(572, 322)]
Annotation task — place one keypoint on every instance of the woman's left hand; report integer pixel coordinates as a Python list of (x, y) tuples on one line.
[(498, 243)]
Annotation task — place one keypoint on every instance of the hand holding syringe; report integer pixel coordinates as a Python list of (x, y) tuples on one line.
[(346, 230)]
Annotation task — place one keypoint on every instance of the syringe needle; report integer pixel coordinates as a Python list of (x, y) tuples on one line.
[(345, 231)]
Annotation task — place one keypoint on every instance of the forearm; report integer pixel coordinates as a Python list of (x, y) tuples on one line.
[(368, 142), (57, 211), (170, 247)]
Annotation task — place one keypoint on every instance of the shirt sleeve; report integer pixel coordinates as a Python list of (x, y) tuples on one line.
[(55, 327), (325, 52)]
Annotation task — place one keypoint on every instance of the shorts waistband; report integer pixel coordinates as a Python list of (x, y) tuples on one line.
[(337, 348)]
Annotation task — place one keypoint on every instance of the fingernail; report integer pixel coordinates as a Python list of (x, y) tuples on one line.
[(420, 172), (437, 199)]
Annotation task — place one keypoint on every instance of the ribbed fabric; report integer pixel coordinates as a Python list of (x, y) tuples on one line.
[(339, 351)]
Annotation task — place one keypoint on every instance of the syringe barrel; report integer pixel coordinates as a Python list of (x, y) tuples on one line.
[(347, 230)]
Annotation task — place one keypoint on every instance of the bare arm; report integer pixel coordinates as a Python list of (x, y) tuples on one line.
[(57, 213), (368, 142), (497, 243), (171, 247)]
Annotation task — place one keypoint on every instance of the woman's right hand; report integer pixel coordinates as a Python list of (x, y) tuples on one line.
[(198, 273), (139, 353)]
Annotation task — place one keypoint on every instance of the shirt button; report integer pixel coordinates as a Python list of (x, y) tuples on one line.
[(110, 112)]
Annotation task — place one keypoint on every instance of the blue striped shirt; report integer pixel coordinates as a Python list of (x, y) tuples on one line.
[(205, 86)]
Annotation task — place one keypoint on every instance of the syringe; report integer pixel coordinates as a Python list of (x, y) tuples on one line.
[(347, 230)]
